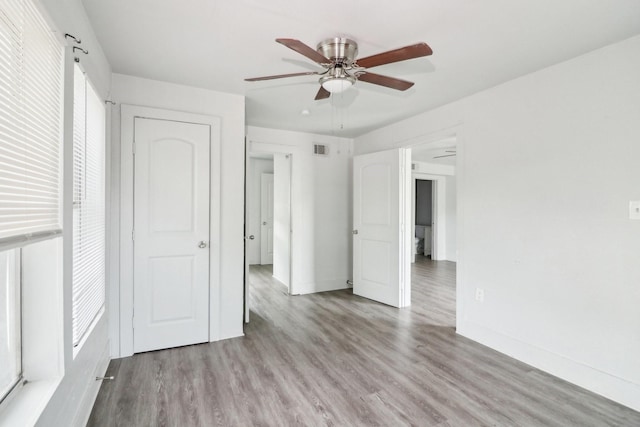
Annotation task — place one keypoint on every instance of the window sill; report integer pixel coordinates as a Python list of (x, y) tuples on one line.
[(27, 405)]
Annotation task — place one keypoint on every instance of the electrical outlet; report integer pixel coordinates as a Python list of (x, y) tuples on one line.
[(479, 295)]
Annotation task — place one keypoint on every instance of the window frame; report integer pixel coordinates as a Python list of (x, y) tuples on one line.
[(18, 381)]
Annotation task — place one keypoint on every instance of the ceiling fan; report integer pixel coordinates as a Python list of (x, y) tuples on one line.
[(446, 155), (341, 68)]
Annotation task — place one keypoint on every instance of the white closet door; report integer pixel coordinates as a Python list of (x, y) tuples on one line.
[(171, 237)]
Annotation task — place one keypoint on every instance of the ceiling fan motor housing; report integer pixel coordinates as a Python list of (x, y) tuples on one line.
[(339, 50)]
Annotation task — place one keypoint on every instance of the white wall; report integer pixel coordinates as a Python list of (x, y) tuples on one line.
[(321, 205), (230, 109), (282, 218), (547, 164), (256, 168)]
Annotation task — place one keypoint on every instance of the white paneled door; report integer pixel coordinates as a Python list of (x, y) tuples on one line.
[(266, 218), (171, 234), (382, 231)]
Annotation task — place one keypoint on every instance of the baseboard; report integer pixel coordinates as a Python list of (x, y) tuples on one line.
[(230, 335), (324, 286), (610, 386), (90, 395), (280, 281)]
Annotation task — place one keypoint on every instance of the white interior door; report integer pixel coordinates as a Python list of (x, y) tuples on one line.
[(171, 234), (382, 228), (266, 218)]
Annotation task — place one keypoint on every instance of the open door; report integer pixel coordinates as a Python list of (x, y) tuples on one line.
[(382, 227), (266, 218)]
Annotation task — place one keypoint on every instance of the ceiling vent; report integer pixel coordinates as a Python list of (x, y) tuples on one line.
[(320, 149)]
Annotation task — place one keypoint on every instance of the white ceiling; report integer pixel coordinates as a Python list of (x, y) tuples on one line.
[(215, 44)]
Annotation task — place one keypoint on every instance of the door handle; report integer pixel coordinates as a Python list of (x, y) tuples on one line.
[(264, 223), (252, 237), (355, 232), (202, 244)]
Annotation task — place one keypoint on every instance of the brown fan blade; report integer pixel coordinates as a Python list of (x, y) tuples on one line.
[(280, 76), (402, 54), (305, 50), (391, 82), (322, 94)]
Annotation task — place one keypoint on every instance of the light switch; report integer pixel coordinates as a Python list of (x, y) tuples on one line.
[(634, 209)]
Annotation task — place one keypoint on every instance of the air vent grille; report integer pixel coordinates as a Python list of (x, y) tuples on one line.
[(320, 150)]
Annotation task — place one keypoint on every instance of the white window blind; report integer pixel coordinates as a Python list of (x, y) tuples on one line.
[(88, 206), (30, 124)]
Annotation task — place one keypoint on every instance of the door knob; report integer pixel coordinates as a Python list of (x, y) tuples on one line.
[(252, 237), (202, 244), (264, 223), (355, 231)]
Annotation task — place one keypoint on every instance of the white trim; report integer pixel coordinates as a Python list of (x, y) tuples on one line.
[(406, 229), (125, 310)]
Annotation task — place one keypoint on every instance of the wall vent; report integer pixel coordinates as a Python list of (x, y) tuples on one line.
[(320, 149)]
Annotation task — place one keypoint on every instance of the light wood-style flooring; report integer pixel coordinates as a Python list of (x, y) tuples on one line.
[(335, 359)]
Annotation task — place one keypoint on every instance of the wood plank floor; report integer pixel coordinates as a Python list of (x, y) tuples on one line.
[(335, 359)]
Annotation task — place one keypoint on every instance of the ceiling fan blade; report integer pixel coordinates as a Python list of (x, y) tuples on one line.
[(305, 50), (322, 94), (446, 155), (402, 54), (391, 82), (280, 76)]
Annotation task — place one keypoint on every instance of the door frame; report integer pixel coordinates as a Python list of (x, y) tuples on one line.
[(122, 310)]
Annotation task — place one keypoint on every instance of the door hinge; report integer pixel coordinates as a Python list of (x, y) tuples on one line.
[(133, 148), (133, 235)]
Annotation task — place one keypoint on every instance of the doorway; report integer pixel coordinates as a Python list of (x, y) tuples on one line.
[(434, 224), (268, 221), (424, 218)]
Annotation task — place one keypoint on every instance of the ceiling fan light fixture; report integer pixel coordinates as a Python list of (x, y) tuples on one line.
[(337, 84)]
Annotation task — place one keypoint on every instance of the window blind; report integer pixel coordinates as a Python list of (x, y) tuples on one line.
[(88, 206), (30, 124)]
